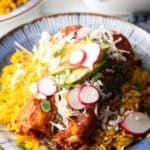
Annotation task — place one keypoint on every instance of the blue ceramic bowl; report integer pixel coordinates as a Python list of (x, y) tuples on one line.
[(29, 34)]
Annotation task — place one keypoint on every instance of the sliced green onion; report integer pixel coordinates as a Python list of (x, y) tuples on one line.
[(66, 86), (45, 105), (97, 76), (47, 141)]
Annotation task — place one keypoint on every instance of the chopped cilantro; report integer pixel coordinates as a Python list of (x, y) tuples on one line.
[(97, 76), (104, 55), (66, 86), (139, 86), (47, 141), (21, 147), (45, 105), (105, 45)]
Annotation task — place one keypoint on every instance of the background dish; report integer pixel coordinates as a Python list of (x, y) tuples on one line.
[(116, 7), (29, 34), (20, 10)]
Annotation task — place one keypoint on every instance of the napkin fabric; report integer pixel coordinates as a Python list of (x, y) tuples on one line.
[(142, 19)]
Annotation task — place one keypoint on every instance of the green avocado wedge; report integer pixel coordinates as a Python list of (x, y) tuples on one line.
[(78, 73)]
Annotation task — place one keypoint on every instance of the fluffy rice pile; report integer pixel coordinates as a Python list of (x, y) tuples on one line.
[(136, 97), (19, 75)]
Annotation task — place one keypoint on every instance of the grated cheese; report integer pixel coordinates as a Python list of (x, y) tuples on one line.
[(22, 47), (14, 80), (33, 88), (96, 34), (57, 125), (62, 106), (83, 32), (113, 51), (61, 43)]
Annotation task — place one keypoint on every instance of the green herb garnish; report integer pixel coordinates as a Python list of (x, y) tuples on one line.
[(21, 147), (47, 141), (139, 86), (45, 105), (105, 45), (66, 86), (97, 76)]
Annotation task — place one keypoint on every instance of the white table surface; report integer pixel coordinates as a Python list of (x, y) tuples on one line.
[(47, 7)]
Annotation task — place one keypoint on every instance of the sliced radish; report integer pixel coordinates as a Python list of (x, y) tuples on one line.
[(93, 52), (47, 86), (136, 123), (77, 57), (88, 95), (73, 100)]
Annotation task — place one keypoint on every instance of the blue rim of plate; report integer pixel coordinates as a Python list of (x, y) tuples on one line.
[(20, 10), (71, 14), (133, 32), (29, 34)]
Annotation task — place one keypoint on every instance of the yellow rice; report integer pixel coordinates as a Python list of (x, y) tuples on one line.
[(8, 5), (15, 96), (133, 99)]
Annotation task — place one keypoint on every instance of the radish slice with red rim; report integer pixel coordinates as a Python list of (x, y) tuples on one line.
[(93, 52), (77, 57), (47, 86), (88, 95), (73, 100), (136, 123)]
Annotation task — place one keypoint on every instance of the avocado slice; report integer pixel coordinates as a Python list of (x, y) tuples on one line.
[(64, 53), (76, 75), (82, 73)]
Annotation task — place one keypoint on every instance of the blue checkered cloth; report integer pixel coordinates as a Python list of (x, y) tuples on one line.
[(142, 19)]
